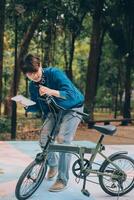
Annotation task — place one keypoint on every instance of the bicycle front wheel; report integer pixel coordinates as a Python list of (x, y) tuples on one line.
[(121, 181), (30, 179)]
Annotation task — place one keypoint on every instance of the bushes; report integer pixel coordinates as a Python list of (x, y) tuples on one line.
[(5, 124)]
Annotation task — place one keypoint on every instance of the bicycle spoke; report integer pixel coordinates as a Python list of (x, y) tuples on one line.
[(114, 184), (30, 180)]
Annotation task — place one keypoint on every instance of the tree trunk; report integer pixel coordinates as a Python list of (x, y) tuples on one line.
[(65, 51), (127, 106), (71, 41), (2, 21), (116, 97), (129, 63), (121, 86), (53, 49), (71, 56), (94, 58), (47, 46)]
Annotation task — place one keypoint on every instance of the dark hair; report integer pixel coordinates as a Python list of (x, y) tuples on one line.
[(30, 64)]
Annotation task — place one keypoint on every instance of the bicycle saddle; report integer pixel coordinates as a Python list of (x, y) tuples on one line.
[(106, 130)]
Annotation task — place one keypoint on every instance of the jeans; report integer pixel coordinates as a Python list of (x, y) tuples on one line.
[(66, 132)]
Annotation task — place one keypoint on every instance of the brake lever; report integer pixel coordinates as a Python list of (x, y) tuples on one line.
[(46, 98)]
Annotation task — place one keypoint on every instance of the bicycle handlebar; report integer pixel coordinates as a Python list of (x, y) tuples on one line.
[(49, 100)]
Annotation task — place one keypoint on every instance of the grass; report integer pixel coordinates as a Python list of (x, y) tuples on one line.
[(27, 127)]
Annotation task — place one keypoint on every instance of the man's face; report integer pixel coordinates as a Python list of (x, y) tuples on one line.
[(35, 76)]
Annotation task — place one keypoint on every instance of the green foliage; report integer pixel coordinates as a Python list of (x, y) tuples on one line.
[(5, 124), (8, 62), (80, 62), (64, 16), (111, 73)]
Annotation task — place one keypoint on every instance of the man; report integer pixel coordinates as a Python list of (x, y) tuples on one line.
[(54, 82)]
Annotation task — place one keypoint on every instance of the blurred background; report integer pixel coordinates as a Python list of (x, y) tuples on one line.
[(91, 40)]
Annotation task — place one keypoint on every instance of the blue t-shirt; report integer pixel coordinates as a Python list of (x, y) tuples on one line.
[(53, 78)]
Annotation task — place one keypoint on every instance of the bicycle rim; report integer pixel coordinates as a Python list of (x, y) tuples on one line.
[(111, 186), (30, 180)]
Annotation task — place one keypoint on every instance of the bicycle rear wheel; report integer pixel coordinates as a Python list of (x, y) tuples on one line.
[(119, 184), (30, 179)]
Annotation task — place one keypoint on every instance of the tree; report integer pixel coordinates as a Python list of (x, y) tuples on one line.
[(28, 35), (122, 34), (94, 56), (128, 7), (18, 62), (73, 19), (2, 22)]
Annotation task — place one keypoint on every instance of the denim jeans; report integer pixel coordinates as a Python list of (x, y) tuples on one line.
[(66, 132)]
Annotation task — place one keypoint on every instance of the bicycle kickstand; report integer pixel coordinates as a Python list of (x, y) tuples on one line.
[(84, 191)]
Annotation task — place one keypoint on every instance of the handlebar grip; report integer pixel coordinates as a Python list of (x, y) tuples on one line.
[(45, 96)]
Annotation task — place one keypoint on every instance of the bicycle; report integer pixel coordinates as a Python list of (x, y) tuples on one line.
[(116, 173)]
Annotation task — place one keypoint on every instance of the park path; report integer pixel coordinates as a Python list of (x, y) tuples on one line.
[(16, 155)]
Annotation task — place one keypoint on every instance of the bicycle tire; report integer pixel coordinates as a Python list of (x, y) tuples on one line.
[(104, 167), (27, 174)]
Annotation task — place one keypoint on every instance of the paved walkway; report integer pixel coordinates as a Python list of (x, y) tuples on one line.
[(15, 156)]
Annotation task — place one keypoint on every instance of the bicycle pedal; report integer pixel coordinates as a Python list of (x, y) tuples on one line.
[(85, 192)]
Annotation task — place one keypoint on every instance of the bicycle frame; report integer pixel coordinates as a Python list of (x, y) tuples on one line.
[(82, 167), (77, 151)]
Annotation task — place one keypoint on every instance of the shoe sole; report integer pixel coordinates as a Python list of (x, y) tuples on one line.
[(60, 190)]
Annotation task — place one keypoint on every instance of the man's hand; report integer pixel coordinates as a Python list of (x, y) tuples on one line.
[(45, 90)]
